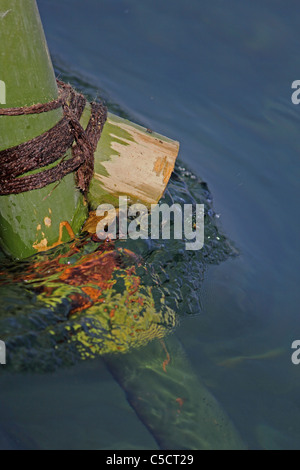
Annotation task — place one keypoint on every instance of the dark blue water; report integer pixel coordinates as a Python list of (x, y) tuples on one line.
[(216, 76)]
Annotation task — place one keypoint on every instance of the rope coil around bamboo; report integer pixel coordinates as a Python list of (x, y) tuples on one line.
[(52, 146)]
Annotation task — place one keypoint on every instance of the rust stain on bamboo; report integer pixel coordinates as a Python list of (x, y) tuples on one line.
[(43, 244), (162, 166)]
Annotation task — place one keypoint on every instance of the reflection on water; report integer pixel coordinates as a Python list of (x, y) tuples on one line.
[(89, 298)]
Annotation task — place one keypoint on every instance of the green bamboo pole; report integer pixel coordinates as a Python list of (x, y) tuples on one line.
[(163, 389), (130, 160), (31, 218)]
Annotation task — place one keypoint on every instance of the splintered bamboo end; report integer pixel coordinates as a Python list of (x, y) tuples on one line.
[(132, 161)]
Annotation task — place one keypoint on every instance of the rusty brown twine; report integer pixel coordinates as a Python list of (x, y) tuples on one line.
[(52, 146)]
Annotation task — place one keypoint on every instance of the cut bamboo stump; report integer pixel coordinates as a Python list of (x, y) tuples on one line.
[(133, 162), (129, 159)]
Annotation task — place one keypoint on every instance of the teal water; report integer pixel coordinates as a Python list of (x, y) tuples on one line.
[(217, 77)]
